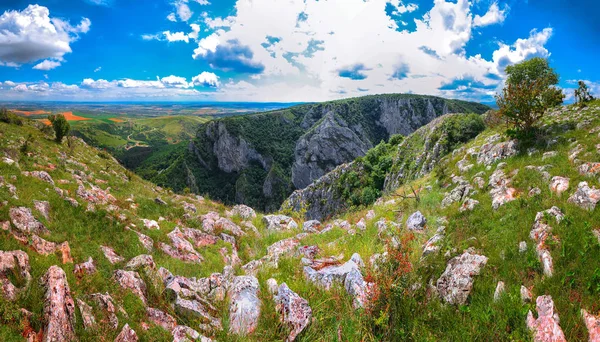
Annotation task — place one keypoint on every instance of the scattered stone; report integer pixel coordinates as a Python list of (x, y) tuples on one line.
[(361, 225), (522, 247), (182, 333), (131, 280), (42, 175), (491, 153), (358, 288), (549, 155), (559, 184), (501, 191), (127, 335), (279, 222), (309, 252), (500, 288), (86, 314), (16, 262), (110, 254), (370, 215), (230, 227), (469, 204), (585, 197), (181, 249), (106, 303), (456, 283), (272, 286), (589, 169), (431, 246), (545, 328), (416, 221), (244, 309), (43, 207), (146, 241), (95, 195), (24, 221), (526, 295), (189, 207), (87, 267), (160, 201), (593, 325), (243, 211), (44, 247), (59, 307), (293, 310), (574, 153), (151, 224), (535, 192), (282, 247), (479, 182), (199, 238), (458, 194), (161, 319), (141, 261), (596, 233), (311, 226)]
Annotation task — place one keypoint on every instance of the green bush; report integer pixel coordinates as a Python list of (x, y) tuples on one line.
[(61, 126), (10, 117)]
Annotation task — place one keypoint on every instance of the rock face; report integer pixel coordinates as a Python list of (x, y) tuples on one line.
[(293, 310), (16, 262), (456, 283), (244, 309), (59, 307), (545, 328), (318, 136), (415, 156), (330, 144)]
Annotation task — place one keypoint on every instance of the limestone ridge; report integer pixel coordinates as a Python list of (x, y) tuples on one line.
[(260, 159), (414, 157)]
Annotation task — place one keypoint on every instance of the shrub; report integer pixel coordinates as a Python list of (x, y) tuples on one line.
[(530, 90), (10, 117), (582, 95), (493, 118), (61, 126), (25, 146)]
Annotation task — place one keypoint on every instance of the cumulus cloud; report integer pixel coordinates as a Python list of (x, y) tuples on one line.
[(98, 69), (231, 56), (48, 64), (206, 79), (494, 15), (176, 36), (175, 81), (522, 49), (32, 35)]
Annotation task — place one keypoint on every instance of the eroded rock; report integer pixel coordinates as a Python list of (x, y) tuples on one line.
[(456, 283), (131, 280), (585, 196), (545, 328), (23, 220), (111, 255), (127, 335), (294, 310), (244, 309), (416, 221), (279, 222), (16, 262), (59, 307)]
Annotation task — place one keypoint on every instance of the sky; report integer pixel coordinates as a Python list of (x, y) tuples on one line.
[(287, 50)]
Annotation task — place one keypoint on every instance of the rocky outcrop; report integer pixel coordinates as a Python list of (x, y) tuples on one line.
[(132, 281), (456, 283), (293, 310), (279, 222), (331, 143), (59, 307), (23, 220), (545, 328), (585, 197), (233, 153), (244, 309), (127, 335), (17, 263)]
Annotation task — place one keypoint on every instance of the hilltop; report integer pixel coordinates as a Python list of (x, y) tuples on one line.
[(467, 248)]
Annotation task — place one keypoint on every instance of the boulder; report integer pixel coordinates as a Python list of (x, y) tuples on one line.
[(228, 226), (43, 207), (199, 238), (546, 327), (150, 224), (456, 283), (106, 303), (59, 307), (244, 308), (585, 197), (127, 335), (24, 221), (458, 194), (279, 222), (311, 226), (282, 247), (491, 153), (131, 280), (161, 319), (15, 262), (87, 267), (416, 221), (42, 175), (111, 255), (44, 247), (141, 261), (294, 310), (559, 184), (146, 241), (468, 205), (243, 211), (589, 169), (593, 325), (431, 246), (89, 321)]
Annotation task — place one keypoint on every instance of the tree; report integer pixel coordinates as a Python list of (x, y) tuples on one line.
[(582, 94), (61, 126), (529, 91)]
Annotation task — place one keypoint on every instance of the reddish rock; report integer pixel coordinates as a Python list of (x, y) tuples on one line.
[(559, 184), (593, 325), (43, 207), (161, 319), (86, 314), (131, 280), (199, 238), (127, 335), (24, 221), (244, 308), (141, 261), (13, 262), (45, 247), (585, 197), (59, 307), (294, 310), (85, 267), (456, 283), (106, 303), (111, 255), (545, 328)]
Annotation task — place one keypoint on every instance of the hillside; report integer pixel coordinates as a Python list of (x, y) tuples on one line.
[(497, 243), (260, 159)]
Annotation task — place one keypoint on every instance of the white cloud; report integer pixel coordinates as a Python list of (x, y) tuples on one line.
[(183, 10), (98, 69), (522, 49), (48, 64), (171, 17), (31, 35), (96, 84), (176, 36), (202, 2), (207, 44), (493, 16), (206, 79), (175, 81)]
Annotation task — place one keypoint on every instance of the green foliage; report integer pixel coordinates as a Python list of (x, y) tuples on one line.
[(60, 125), (9, 117), (530, 90), (582, 94), (25, 147)]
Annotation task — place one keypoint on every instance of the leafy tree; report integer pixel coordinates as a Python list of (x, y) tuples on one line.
[(582, 94), (530, 90), (61, 126)]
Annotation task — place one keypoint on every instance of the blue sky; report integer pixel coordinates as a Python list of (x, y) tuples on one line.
[(286, 51)]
